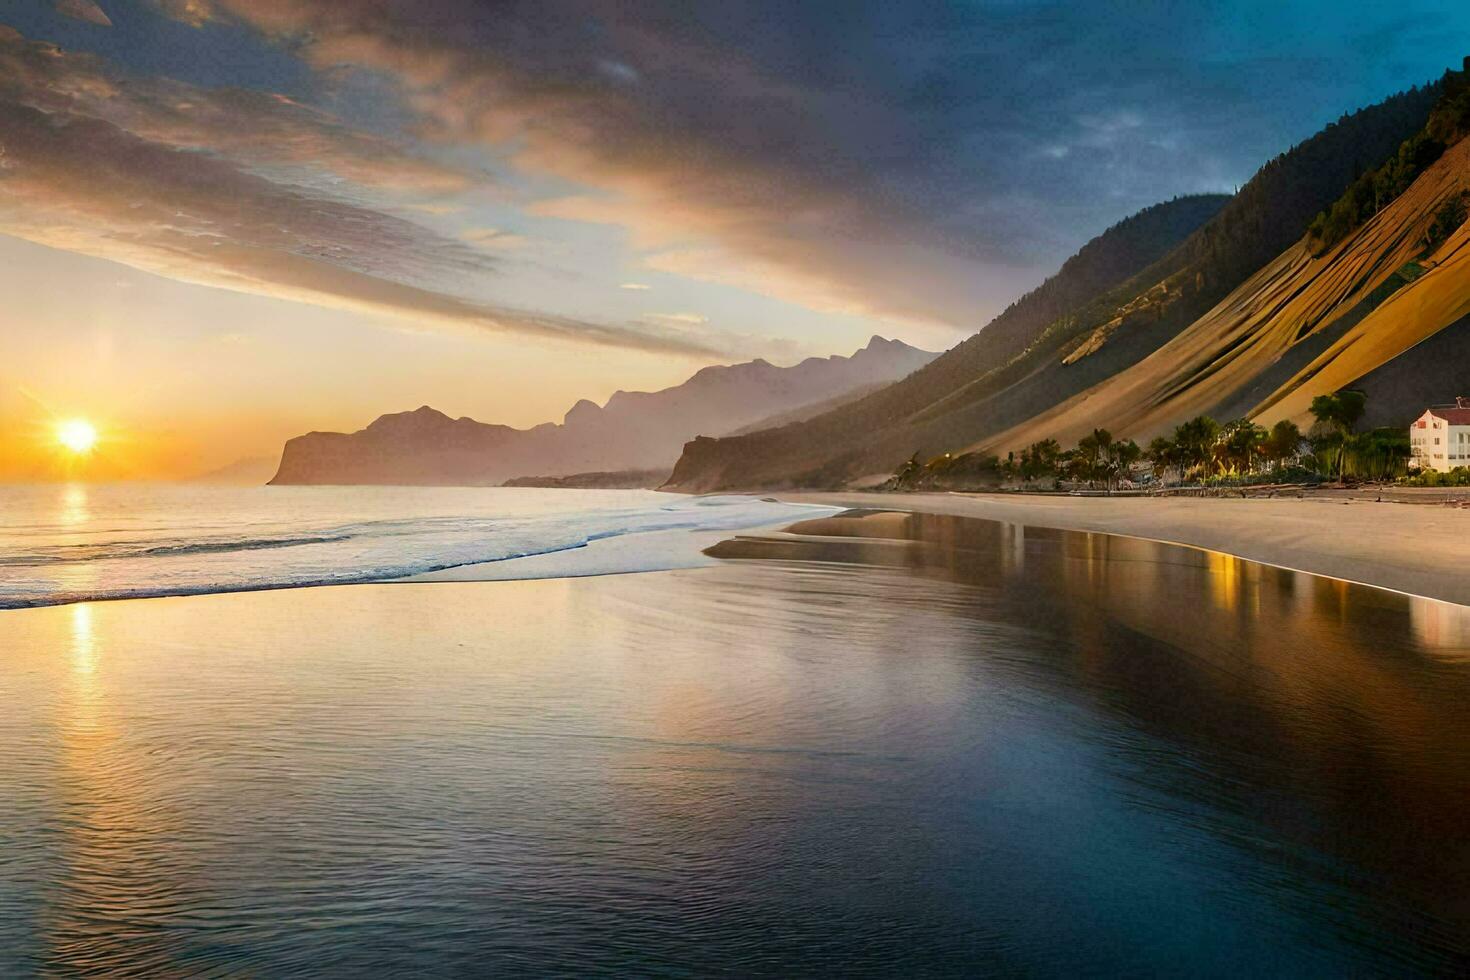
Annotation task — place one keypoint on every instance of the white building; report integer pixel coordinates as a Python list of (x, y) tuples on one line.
[(1440, 438)]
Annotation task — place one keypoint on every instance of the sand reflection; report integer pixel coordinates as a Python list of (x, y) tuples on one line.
[(1442, 627)]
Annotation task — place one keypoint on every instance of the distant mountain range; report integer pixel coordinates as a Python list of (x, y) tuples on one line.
[(635, 430), (250, 471), (1344, 262)]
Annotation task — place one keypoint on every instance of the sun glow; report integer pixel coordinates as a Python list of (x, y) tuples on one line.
[(77, 435)]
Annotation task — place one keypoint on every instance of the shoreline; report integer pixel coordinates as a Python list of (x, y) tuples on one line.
[(1414, 550), (288, 542), (1419, 551), (623, 554)]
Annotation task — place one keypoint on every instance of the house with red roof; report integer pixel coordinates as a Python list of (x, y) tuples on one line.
[(1440, 438)]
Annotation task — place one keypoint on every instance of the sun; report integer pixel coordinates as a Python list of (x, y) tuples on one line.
[(77, 435)]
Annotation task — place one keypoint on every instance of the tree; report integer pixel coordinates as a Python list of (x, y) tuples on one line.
[(1337, 415), (1163, 453), (1040, 460), (1447, 220), (1126, 455), (1239, 445), (1283, 443), (1196, 439), (1377, 455), (1340, 411), (1070, 465), (1094, 455)]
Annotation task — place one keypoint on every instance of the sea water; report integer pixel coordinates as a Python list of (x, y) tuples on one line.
[(78, 542), (958, 749)]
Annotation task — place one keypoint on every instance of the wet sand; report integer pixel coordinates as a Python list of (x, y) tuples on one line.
[(1422, 550)]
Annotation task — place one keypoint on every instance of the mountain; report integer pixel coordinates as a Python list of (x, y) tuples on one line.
[(1306, 325), (635, 430), (810, 410), (250, 471), (1077, 333)]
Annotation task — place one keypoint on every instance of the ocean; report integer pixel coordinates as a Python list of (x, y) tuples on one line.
[(62, 543), (875, 746)]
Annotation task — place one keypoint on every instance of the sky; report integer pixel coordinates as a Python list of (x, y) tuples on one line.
[(226, 222)]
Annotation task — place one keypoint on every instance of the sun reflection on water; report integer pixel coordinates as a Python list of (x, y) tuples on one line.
[(74, 505), (83, 642)]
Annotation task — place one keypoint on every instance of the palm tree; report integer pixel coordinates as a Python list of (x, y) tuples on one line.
[(1338, 414), (1195, 440), (1094, 454), (1239, 445)]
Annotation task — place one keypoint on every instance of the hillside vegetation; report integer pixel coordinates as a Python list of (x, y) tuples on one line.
[(1312, 320), (1033, 359)]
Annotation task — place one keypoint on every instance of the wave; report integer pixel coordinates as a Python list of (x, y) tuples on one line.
[(344, 552), (361, 577), (103, 552), (346, 577)]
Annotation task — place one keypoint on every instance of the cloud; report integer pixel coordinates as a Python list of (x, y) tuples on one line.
[(86, 10), (251, 127), (687, 318), (694, 145), (495, 238), (618, 71), (634, 285), (176, 196), (923, 160), (195, 13)]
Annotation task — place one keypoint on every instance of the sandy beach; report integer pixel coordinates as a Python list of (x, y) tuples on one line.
[(1423, 550)]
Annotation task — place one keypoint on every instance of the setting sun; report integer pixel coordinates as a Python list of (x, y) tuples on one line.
[(77, 435)]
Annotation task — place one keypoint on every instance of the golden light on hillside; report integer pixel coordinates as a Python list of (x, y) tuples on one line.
[(77, 435)]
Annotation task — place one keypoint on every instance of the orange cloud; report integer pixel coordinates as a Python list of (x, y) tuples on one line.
[(157, 175), (675, 180)]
